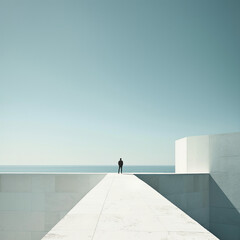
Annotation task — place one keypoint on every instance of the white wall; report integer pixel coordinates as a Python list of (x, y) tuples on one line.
[(181, 155), (225, 185), (31, 204), (198, 154), (192, 155), (220, 156)]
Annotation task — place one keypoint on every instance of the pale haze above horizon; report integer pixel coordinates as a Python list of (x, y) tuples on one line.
[(87, 82)]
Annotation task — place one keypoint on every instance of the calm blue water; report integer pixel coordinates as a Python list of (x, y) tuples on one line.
[(88, 169)]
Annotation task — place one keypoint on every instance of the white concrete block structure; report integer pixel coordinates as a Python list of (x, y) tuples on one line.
[(218, 155), (192, 155)]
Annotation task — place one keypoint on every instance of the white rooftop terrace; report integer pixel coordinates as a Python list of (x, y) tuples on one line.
[(124, 207)]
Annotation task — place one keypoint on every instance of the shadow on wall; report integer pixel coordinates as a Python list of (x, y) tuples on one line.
[(189, 192), (224, 217), (199, 196)]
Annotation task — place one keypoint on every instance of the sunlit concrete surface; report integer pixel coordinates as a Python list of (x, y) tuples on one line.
[(124, 207)]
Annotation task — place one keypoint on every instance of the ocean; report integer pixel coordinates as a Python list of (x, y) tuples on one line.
[(86, 168)]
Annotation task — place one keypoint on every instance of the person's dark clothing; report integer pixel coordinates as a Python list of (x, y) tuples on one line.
[(120, 165)]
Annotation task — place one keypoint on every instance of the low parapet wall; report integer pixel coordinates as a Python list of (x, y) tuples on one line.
[(31, 204)]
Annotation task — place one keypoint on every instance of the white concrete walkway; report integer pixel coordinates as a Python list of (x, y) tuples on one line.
[(123, 207)]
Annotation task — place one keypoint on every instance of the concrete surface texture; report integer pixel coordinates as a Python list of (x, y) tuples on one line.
[(124, 207), (224, 157), (222, 154), (31, 204), (189, 192)]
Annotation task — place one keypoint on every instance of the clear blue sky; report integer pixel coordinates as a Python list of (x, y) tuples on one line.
[(88, 82)]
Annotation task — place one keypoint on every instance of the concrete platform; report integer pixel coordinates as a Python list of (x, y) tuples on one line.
[(124, 207)]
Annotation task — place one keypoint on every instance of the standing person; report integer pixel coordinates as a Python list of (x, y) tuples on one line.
[(120, 165)]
